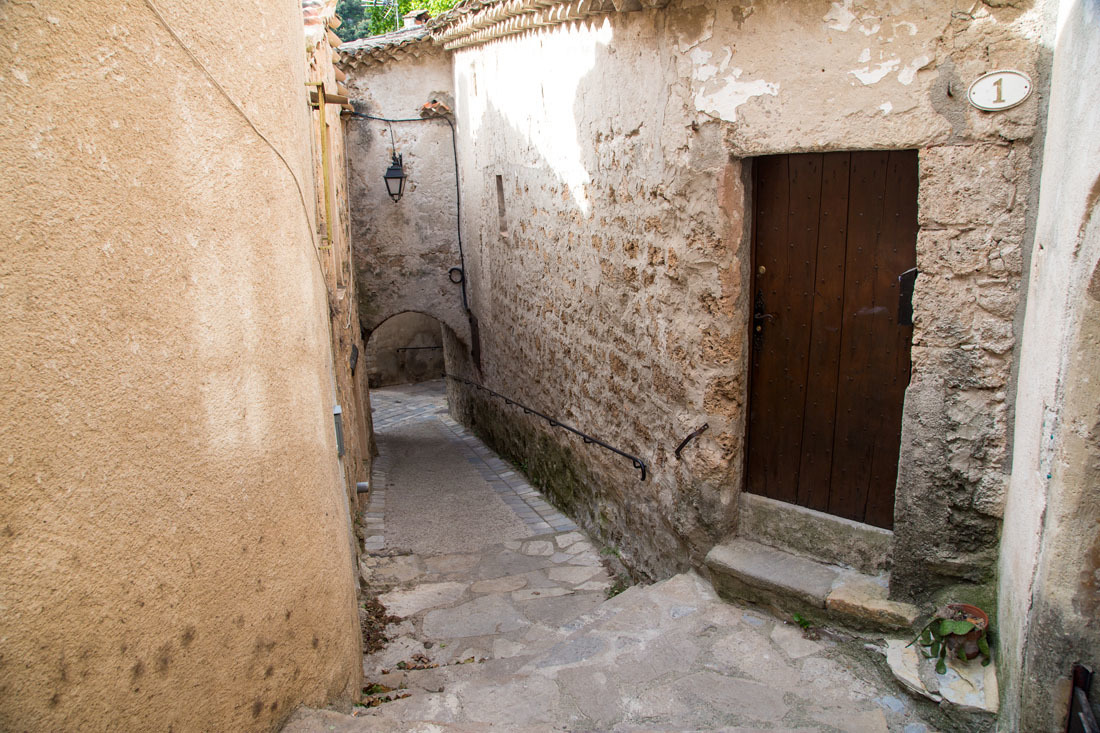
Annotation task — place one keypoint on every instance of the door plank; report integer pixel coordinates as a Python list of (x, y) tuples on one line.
[(853, 440), (786, 248), (896, 253), (772, 189), (794, 314), (823, 364)]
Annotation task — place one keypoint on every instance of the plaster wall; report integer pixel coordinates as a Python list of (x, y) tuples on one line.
[(404, 250), (1050, 552), (612, 287), (175, 544), (422, 339)]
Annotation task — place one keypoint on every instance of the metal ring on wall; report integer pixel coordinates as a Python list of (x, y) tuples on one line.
[(461, 275)]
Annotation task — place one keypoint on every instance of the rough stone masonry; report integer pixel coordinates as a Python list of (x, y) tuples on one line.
[(606, 167)]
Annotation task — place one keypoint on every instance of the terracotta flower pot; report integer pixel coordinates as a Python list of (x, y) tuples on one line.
[(968, 642)]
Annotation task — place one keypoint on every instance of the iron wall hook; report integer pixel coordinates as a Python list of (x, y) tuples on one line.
[(691, 436)]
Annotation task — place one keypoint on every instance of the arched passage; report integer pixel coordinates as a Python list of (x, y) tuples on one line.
[(406, 348)]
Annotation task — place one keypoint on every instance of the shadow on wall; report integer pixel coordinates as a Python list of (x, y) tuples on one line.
[(405, 349)]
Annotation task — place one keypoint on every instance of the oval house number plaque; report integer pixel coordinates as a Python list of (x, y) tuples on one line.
[(999, 90)]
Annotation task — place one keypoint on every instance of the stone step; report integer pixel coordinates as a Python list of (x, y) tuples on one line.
[(669, 656), (749, 571), (815, 535)]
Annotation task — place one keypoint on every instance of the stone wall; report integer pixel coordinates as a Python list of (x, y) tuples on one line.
[(605, 166), (1050, 552), (175, 549), (404, 250), (420, 339)]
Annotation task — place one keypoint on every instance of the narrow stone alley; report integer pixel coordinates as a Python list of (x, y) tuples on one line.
[(509, 617)]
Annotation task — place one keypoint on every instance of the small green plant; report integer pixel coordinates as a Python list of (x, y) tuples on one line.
[(608, 550), (621, 583), (957, 629), (802, 621)]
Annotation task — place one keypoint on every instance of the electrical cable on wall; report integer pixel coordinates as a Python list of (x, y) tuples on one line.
[(244, 115), (458, 194)]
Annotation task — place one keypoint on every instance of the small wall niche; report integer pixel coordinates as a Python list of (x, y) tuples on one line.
[(502, 215)]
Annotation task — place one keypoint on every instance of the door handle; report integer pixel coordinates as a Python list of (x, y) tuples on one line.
[(758, 314), (906, 282)]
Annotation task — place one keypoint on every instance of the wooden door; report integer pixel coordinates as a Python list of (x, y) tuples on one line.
[(830, 361)]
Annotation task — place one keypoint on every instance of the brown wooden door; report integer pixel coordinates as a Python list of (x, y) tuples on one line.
[(830, 362)]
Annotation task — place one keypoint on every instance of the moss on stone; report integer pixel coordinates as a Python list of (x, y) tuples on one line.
[(983, 595)]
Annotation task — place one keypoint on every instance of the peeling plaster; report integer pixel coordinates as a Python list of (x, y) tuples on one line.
[(724, 101), (911, 27), (840, 17), (909, 73), (703, 70), (872, 75)]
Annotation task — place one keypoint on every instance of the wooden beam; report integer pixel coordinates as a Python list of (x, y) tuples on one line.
[(330, 99)]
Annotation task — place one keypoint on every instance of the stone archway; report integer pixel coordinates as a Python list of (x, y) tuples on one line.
[(405, 348)]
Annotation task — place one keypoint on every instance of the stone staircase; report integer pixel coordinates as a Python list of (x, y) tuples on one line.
[(831, 571), (671, 656), (796, 560)]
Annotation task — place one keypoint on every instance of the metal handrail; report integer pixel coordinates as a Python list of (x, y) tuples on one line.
[(638, 463)]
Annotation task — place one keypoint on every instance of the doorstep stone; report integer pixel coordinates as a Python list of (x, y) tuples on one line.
[(864, 600), (763, 573), (747, 570), (814, 535)]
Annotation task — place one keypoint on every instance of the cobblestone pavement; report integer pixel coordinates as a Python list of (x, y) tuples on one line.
[(421, 410), (519, 632)]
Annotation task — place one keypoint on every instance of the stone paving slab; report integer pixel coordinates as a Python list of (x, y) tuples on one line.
[(395, 410), (520, 634), (667, 657)]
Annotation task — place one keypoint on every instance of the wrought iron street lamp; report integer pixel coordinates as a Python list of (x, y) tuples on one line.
[(395, 178)]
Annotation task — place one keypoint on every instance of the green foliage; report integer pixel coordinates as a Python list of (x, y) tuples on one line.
[(950, 626), (621, 583), (944, 634), (983, 647), (359, 21), (802, 621)]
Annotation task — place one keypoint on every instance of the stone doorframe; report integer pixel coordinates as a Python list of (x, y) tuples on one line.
[(954, 461)]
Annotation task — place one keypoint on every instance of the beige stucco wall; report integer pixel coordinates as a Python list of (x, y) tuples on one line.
[(174, 543), (1050, 553), (404, 250), (613, 293)]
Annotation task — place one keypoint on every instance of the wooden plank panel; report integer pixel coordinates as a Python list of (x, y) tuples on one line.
[(795, 313), (896, 253), (770, 222), (786, 285), (853, 441), (823, 364)]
